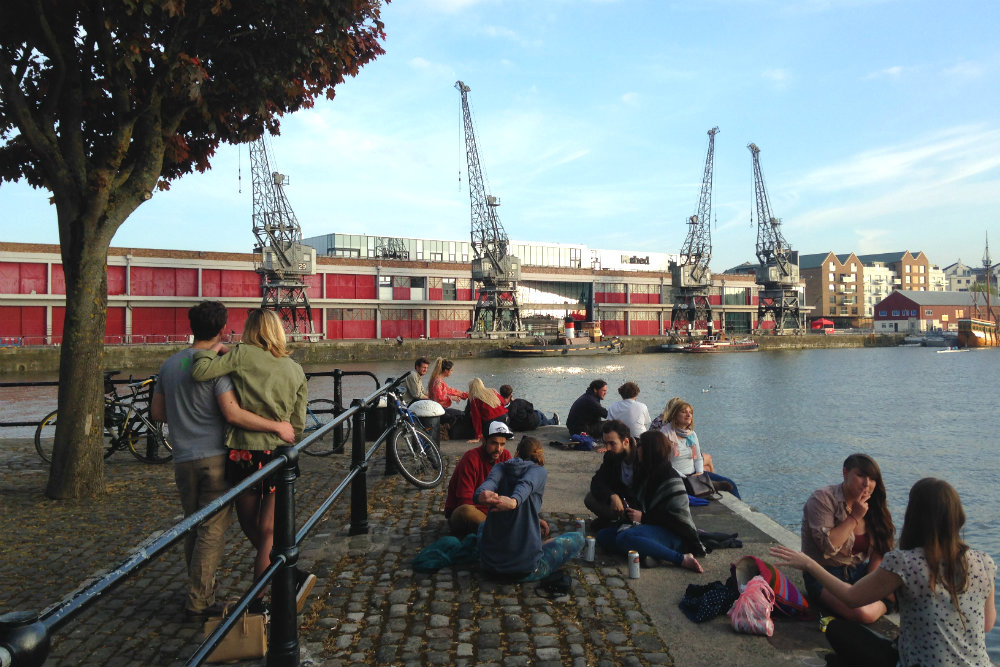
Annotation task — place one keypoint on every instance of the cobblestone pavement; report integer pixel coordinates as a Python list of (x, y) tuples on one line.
[(368, 608)]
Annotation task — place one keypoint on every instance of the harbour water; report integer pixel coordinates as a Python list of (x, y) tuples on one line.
[(779, 423)]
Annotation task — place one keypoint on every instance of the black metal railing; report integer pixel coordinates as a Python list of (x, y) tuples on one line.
[(25, 637)]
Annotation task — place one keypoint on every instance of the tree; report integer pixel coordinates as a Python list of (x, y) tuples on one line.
[(104, 103)]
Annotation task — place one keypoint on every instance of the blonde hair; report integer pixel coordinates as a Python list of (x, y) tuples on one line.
[(478, 390), (666, 410), (530, 449), (437, 371), (677, 406), (263, 329)]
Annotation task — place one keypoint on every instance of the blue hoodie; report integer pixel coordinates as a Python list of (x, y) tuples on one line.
[(511, 541)]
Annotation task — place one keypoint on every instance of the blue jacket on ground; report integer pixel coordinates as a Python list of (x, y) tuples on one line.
[(510, 541)]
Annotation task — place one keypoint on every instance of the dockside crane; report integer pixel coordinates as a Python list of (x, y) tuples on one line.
[(779, 299), (279, 256), (690, 277), (494, 269)]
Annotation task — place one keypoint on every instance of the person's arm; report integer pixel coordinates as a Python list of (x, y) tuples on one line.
[(646, 421), (991, 609), (298, 416), (829, 537), (208, 364), (248, 421), (477, 417), (485, 493), (873, 587), (158, 407)]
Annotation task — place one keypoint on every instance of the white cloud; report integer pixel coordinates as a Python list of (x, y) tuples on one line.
[(893, 72), (631, 99), (779, 78), (965, 70)]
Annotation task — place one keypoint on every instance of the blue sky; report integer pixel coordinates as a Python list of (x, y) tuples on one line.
[(878, 123)]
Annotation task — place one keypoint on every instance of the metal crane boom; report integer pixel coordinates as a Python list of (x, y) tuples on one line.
[(279, 256), (497, 312), (690, 277), (697, 250), (778, 270)]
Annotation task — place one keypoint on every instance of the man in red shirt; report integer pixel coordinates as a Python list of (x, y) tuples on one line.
[(463, 515)]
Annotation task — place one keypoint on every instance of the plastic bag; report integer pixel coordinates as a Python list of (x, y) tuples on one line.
[(751, 613)]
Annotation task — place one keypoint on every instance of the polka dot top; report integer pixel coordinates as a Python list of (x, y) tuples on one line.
[(930, 628)]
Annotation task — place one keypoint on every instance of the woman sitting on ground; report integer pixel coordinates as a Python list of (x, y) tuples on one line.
[(663, 527), (485, 406), (847, 529), (945, 589), (685, 450), (443, 394), (510, 540)]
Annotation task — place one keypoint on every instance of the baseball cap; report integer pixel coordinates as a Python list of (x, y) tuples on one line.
[(499, 428)]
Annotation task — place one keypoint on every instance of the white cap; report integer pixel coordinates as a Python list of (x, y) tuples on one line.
[(499, 428)]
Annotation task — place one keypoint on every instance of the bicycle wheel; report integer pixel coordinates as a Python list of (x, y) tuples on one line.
[(148, 440), (417, 457), (319, 413), (45, 437)]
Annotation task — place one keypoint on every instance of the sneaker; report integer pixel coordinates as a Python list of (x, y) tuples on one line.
[(304, 582)]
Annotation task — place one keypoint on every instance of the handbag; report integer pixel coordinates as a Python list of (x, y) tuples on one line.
[(246, 640), (700, 485)]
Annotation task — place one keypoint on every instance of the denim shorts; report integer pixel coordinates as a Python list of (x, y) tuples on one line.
[(852, 574)]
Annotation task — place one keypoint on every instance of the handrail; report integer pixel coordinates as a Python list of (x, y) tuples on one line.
[(25, 637)]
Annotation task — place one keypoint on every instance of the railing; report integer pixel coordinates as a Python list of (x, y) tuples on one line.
[(25, 637)]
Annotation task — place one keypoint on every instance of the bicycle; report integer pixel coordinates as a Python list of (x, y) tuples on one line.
[(319, 413), (415, 453), (127, 424)]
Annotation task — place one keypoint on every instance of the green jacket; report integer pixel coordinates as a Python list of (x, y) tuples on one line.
[(268, 386)]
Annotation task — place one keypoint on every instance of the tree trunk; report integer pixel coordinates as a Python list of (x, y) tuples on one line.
[(78, 458)]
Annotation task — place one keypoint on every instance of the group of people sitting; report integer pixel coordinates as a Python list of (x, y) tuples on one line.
[(850, 562), (484, 404)]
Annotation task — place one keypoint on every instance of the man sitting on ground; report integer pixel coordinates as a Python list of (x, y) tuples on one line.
[(463, 515), (414, 383), (629, 411), (521, 414), (612, 488), (587, 412)]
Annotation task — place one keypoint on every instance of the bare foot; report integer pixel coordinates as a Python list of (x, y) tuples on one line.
[(601, 450), (691, 563)]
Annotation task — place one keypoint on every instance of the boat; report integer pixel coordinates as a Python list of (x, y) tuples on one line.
[(974, 332), (545, 348), (712, 345), (952, 349)]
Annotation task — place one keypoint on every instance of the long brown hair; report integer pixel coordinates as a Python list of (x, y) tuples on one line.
[(674, 409), (881, 530), (934, 517), (530, 449), (654, 450)]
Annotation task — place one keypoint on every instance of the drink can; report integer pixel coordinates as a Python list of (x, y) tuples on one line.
[(633, 564), (588, 554), (581, 526)]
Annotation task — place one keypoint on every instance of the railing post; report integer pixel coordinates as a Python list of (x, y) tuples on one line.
[(24, 640), (283, 644), (338, 408), (359, 485)]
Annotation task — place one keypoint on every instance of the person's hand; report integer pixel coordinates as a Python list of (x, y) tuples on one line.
[(488, 497), (473, 440), (543, 525), (633, 515), (220, 348), (501, 503), (616, 503), (790, 557), (285, 431), (860, 508), (465, 395)]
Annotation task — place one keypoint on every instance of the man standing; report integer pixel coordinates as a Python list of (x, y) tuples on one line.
[(463, 515), (521, 414), (197, 414), (587, 412), (414, 383)]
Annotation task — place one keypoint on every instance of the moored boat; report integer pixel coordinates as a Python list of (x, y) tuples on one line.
[(974, 332), (548, 349), (709, 346)]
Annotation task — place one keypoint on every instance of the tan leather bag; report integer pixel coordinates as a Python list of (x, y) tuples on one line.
[(246, 640)]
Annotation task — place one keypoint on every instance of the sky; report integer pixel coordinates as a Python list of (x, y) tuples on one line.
[(878, 123)]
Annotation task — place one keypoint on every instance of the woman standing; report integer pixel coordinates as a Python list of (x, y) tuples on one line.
[(847, 528), (510, 540), (485, 405), (663, 527), (945, 589), (268, 383)]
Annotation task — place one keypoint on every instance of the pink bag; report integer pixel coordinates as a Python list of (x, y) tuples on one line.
[(751, 613)]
